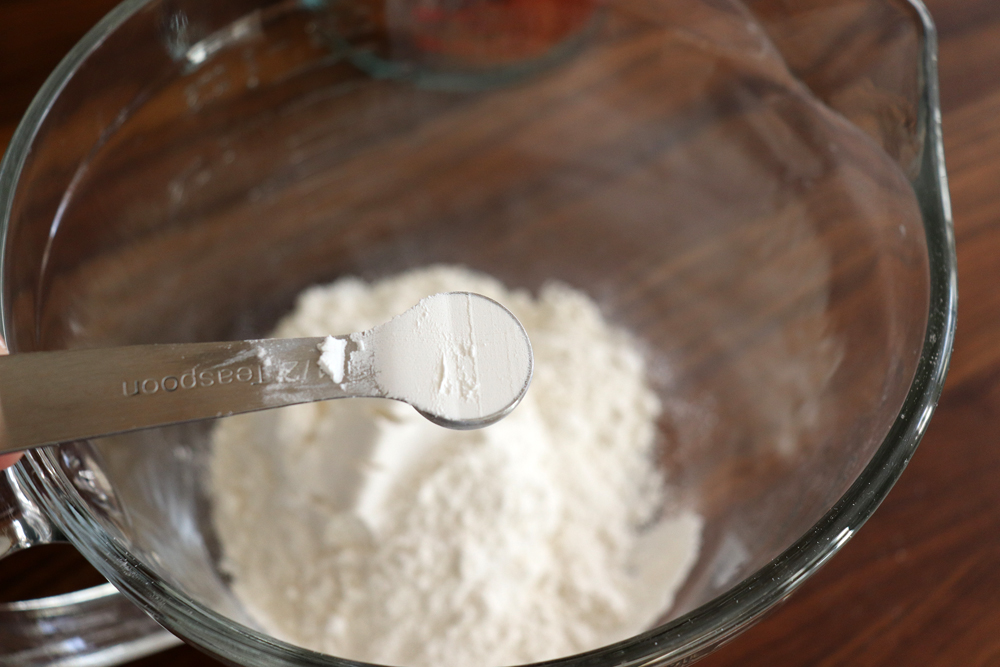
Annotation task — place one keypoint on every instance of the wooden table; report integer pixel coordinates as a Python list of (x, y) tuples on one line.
[(920, 585)]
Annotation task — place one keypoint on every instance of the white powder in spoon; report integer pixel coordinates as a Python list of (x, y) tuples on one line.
[(458, 356), (359, 529), (334, 358)]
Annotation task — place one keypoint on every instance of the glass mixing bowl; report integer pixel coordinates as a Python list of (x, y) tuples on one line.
[(755, 190)]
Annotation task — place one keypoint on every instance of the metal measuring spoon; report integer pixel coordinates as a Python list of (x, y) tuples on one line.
[(461, 359)]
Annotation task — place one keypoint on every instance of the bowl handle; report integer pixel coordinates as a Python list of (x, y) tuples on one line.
[(96, 626)]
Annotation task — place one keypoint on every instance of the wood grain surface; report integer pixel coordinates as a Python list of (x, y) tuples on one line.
[(920, 584)]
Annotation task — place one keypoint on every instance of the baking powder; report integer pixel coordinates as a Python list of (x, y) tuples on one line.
[(459, 356)]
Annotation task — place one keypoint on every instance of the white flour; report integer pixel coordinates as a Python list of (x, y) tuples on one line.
[(359, 529)]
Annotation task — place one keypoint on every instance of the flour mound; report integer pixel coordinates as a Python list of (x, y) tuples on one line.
[(357, 528)]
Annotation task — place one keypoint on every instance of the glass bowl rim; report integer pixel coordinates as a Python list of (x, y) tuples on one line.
[(684, 638)]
